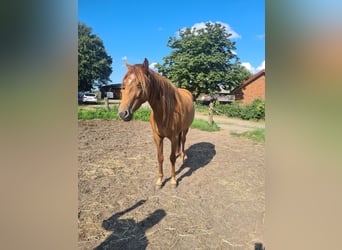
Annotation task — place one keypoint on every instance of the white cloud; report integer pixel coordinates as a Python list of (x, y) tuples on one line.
[(124, 58), (262, 66), (248, 66), (252, 69), (201, 25), (152, 66), (261, 36)]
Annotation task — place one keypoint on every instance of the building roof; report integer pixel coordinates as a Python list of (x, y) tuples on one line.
[(249, 80)]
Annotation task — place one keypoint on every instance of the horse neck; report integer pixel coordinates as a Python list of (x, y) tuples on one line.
[(162, 100)]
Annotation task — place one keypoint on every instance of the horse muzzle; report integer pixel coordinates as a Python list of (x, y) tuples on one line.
[(126, 115)]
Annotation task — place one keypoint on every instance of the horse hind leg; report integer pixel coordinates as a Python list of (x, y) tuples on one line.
[(178, 151), (183, 137)]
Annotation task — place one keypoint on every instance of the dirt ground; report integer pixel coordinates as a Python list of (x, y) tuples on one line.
[(219, 202)]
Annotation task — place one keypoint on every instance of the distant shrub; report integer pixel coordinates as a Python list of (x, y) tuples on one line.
[(252, 111), (260, 109), (231, 110)]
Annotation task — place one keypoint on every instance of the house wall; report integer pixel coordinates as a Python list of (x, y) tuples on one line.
[(254, 90)]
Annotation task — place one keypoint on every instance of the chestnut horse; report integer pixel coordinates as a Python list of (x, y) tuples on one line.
[(172, 110)]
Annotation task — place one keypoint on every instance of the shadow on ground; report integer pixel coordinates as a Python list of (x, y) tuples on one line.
[(197, 156), (127, 233)]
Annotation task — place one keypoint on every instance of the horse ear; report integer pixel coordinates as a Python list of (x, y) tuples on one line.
[(128, 65), (145, 66)]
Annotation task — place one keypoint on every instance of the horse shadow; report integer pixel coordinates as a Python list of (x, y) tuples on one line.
[(197, 156), (127, 233)]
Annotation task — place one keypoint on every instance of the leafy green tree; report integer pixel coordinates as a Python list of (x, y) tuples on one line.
[(238, 74), (94, 65), (202, 60)]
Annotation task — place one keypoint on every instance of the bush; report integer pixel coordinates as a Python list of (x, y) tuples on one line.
[(260, 109), (253, 111), (231, 110)]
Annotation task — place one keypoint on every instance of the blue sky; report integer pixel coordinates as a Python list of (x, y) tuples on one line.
[(134, 30)]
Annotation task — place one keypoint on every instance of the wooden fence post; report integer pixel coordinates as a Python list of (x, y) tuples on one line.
[(106, 103), (211, 113)]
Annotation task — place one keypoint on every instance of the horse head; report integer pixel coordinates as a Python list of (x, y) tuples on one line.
[(134, 91)]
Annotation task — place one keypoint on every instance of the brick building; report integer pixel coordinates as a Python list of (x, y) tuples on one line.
[(252, 88)]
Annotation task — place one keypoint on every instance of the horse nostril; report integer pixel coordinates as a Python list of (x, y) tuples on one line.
[(124, 115)]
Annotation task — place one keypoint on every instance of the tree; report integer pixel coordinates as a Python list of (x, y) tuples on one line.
[(238, 74), (94, 65), (202, 60)]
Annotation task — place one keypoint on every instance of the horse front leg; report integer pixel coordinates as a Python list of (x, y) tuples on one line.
[(159, 143)]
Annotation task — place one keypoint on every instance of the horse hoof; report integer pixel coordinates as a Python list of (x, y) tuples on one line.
[(159, 184), (173, 183)]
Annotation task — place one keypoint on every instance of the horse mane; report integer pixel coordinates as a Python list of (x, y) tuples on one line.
[(160, 90)]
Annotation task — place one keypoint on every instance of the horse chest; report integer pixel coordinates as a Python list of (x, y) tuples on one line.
[(168, 130)]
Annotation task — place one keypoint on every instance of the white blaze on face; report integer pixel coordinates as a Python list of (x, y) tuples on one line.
[(131, 78)]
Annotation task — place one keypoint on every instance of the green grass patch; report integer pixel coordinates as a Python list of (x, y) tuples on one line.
[(201, 107), (99, 113), (142, 114), (204, 125), (256, 135)]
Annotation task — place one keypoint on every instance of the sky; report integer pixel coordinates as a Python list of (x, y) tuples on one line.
[(134, 30)]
